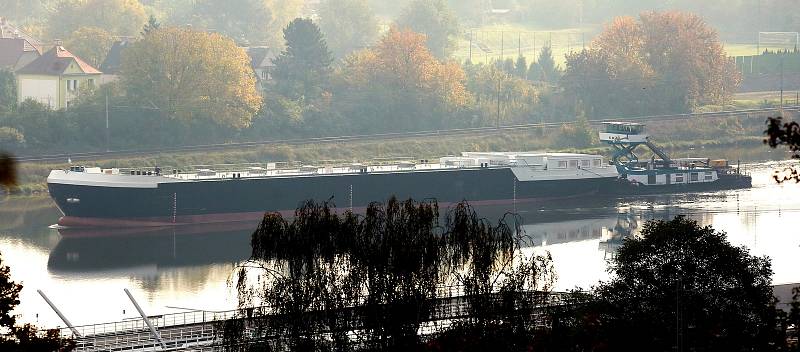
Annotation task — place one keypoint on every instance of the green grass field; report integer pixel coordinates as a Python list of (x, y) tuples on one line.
[(501, 41)]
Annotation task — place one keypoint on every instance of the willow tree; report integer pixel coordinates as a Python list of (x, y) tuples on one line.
[(346, 282), (191, 76)]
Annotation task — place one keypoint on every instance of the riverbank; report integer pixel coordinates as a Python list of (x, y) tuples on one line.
[(735, 139)]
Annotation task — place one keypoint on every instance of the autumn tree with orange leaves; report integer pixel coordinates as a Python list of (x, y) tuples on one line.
[(399, 85), (191, 76), (666, 62)]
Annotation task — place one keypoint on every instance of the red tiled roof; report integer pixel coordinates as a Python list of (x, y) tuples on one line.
[(54, 62)]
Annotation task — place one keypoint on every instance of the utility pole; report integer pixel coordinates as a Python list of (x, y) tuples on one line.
[(782, 55), (502, 44), (108, 139), (497, 124), (583, 40), (470, 45)]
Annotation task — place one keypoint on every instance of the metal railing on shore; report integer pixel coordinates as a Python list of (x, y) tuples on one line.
[(199, 330)]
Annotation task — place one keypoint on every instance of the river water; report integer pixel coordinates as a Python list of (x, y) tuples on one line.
[(170, 271)]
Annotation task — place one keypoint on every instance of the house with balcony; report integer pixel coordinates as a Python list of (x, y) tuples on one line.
[(56, 78)]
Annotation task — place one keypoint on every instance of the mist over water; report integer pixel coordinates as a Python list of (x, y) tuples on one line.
[(175, 270)]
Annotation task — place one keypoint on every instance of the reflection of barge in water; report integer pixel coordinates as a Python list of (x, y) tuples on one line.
[(662, 174), (87, 250)]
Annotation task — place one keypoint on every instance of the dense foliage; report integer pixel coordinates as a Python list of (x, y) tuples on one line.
[(398, 85), (182, 86), (784, 134), (667, 62), (191, 75)]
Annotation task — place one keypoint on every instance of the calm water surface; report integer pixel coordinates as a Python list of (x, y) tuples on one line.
[(174, 270)]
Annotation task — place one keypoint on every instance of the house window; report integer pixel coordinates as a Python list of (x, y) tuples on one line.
[(573, 164), (90, 83), (72, 85), (562, 164), (265, 75), (679, 178)]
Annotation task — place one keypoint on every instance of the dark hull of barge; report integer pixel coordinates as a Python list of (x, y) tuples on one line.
[(247, 199)]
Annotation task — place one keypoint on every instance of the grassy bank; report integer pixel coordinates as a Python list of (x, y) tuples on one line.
[(730, 138)]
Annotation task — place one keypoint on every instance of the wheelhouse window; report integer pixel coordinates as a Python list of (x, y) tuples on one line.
[(573, 164), (679, 178), (693, 177), (584, 163), (562, 164), (596, 162)]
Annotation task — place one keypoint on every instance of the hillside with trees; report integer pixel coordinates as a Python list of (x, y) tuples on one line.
[(351, 67)]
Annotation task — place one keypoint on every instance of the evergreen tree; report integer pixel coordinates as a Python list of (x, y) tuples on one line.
[(534, 71), (549, 70), (521, 69), (302, 70), (509, 66), (151, 25)]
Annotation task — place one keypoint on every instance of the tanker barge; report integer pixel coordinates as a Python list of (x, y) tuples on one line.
[(95, 197)]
